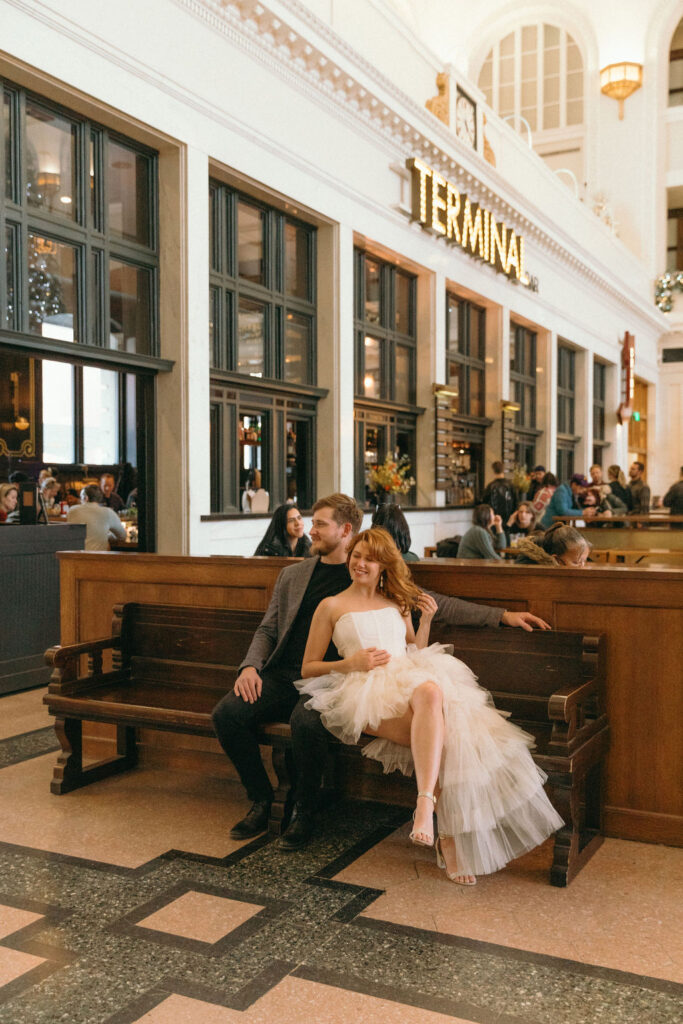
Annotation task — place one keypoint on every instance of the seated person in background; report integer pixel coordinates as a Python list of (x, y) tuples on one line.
[(540, 501), (522, 522), (565, 500), (618, 486), (110, 498), (49, 489), (9, 498), (451, 611), (394, 522), (560, 545), (673, 499), (598, 504), (285, 537), (101, 523), (478, 541), (536, 476), (597, 481)]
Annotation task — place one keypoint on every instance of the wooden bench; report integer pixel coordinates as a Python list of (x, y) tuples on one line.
[(171, 665)]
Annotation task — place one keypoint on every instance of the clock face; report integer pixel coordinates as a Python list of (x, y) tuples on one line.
[(465, 120)]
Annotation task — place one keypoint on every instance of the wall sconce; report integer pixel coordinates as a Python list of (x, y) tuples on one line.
[(620, 80), (507, 406)]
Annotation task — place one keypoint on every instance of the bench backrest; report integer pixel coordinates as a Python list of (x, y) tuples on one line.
[(522, 670), (194, 645)]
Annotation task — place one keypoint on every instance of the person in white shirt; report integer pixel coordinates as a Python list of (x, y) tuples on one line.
[(101, 524)]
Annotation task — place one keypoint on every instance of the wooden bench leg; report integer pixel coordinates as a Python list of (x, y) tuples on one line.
[(281, 806), (69, 773), (576, 843)]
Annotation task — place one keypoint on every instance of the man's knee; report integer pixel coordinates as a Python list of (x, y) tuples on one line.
[(230, 712), (305, 722)]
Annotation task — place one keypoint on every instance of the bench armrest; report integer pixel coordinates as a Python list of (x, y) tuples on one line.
[(65, 663), (563, 703), (58, 655)]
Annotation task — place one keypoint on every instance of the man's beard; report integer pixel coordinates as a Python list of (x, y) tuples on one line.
[(320, 547)]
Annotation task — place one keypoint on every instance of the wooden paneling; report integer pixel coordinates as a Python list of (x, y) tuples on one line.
[(640, 611)]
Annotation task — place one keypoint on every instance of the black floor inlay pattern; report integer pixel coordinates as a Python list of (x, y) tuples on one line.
[(28, 745), (102, 967)]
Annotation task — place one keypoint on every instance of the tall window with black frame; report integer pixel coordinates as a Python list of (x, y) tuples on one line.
[(262, 316), (385, 321)]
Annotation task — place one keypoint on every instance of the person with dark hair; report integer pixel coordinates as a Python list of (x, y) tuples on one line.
[(427, 715), (101, 523), (543, 496), (17, 477), (565, 500), (673, 500), (618, 485), (536, 475), (560, 545), (478, 541), (285, 537), (110, 499), (394, 522), (499, 493), (640, 492)]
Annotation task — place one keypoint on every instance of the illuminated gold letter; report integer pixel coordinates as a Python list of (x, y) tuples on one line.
[(438, 202), (452, 211), (513, 256), (472, 231), (498, 245), (420, 174)]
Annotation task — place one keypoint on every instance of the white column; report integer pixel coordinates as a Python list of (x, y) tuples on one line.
[(583, 410), (550, 393), (183, 465), (335, 359)]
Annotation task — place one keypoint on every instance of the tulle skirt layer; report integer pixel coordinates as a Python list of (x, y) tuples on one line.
[(492, 799)]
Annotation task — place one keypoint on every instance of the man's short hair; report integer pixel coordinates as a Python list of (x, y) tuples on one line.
[(344, 510), (497, 467), (640, 465), (94, 493), (107, 476)]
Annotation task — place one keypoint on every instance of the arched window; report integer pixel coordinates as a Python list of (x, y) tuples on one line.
[(676, 68), (535, 75)]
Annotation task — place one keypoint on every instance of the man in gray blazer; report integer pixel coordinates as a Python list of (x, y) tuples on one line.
[(264, 690)]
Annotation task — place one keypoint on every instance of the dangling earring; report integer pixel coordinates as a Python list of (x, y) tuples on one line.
[(382, 580)]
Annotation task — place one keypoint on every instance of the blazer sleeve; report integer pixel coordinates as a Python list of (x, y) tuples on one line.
[(454, 612), (264, 640)]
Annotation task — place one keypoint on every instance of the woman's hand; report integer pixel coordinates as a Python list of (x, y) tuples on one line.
[(367, 659), (497, 524), (427, 606)]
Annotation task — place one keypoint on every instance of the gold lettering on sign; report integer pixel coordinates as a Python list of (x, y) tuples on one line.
[(441, 208)]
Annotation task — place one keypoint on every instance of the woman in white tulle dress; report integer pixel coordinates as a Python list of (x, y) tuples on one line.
[(428, 716)]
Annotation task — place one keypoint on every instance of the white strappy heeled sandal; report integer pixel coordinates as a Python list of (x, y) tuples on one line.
[(417, 833), (452, 876)]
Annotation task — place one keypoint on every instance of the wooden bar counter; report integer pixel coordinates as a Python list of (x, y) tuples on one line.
[(639, 610)]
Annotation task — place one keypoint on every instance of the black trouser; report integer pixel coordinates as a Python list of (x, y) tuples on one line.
[(236, 723)]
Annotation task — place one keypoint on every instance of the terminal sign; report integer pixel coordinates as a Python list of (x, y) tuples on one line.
[(441, 208)]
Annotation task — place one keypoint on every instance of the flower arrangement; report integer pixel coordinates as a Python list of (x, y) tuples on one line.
[(521, 481), (391, 475)]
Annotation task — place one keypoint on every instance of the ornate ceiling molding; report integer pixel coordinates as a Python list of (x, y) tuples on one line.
[(366, 100)]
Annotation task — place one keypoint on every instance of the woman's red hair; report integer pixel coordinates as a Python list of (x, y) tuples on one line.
[(397, 585)]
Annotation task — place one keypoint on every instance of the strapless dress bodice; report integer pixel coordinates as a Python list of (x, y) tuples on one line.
[(379, 627)]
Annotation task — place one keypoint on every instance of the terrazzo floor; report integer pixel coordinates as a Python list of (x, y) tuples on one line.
[(127, 902)]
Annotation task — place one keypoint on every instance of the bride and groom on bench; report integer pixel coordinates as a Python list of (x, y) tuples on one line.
[(337, 654)]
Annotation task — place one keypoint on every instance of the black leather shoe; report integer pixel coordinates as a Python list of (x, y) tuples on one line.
[(255, 822), (300, 830)]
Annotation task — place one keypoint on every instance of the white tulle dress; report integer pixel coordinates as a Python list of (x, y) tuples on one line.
[(492, 799)]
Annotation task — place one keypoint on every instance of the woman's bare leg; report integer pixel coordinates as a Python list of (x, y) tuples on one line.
[(421, 728)]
